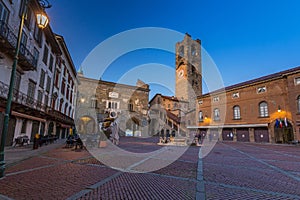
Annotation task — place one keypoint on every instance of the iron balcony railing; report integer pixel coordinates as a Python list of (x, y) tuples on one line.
[(25, 100), (22, 99), (9, 41)]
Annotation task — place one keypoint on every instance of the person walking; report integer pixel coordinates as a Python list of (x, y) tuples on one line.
[(115, 131)]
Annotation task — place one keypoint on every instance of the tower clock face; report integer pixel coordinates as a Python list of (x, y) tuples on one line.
[(180, 73)]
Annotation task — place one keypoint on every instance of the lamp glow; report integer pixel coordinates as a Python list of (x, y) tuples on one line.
[(42, 20)]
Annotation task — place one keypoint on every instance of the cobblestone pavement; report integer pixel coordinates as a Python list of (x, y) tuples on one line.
[(252, 171), (230, 171)]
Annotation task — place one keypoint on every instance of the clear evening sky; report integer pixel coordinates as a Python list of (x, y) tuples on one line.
[(245, 38)]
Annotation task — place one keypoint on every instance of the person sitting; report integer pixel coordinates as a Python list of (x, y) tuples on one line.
[(78, 142), (70, 141)]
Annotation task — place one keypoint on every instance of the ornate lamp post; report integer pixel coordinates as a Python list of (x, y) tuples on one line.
[(42, 21)]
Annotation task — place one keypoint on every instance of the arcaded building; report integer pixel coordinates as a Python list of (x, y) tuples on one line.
[(265, 109)]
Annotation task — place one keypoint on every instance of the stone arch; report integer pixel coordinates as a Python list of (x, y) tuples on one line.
[(282, 130), (86, 125)]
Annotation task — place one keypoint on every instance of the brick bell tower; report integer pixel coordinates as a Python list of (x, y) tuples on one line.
[(188, 83)]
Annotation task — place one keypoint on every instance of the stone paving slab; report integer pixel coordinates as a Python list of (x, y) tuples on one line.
[(144, 186), (223, 192), (52, 182)]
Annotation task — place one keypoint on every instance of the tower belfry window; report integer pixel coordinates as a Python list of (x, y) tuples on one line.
[(193, 51), (181, 51)]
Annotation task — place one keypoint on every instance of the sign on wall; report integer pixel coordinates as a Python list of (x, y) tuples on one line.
[(113, 95)]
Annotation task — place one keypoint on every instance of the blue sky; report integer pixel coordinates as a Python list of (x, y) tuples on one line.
[(245, 38)]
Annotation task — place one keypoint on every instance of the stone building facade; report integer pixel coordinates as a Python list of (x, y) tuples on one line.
[(99, 99), (41, 53), (265, 109)]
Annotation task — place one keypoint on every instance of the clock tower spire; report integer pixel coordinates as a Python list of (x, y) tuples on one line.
[(188, 83)]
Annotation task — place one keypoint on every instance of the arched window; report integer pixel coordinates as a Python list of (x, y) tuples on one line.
[(236, 112), (298, 104), (200, 116), (263, 109), (216, 114)]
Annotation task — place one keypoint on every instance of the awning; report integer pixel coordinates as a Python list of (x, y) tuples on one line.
[(17, 114), (230, 126)]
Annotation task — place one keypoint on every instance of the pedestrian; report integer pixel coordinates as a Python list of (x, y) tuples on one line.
[(115, 131), (36, 141)]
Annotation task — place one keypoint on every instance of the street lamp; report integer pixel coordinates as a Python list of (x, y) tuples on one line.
[(42, 23)]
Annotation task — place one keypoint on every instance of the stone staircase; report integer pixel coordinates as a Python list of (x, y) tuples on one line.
[(179, 141)]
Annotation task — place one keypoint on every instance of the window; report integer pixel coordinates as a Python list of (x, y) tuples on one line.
[(17, 81), (31, 91), (23, 43), (37, 34), (235, 95), (46, 100), (200, 116), (200, 102), (298, 103), (236, 112), (112, 104), (216, 99), (42, 79), (36, 55), (216, 114), (3, 13), (40, 97), (261, 89), (63, 85), (71, 96), (48, 84), (45, 56), (57, 78), (61, 104), (66, 107), (297, 81), (51, 63), (130, 107), (28, 18), (67, 93), (263, 109), (53, 101), (94, 102)]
